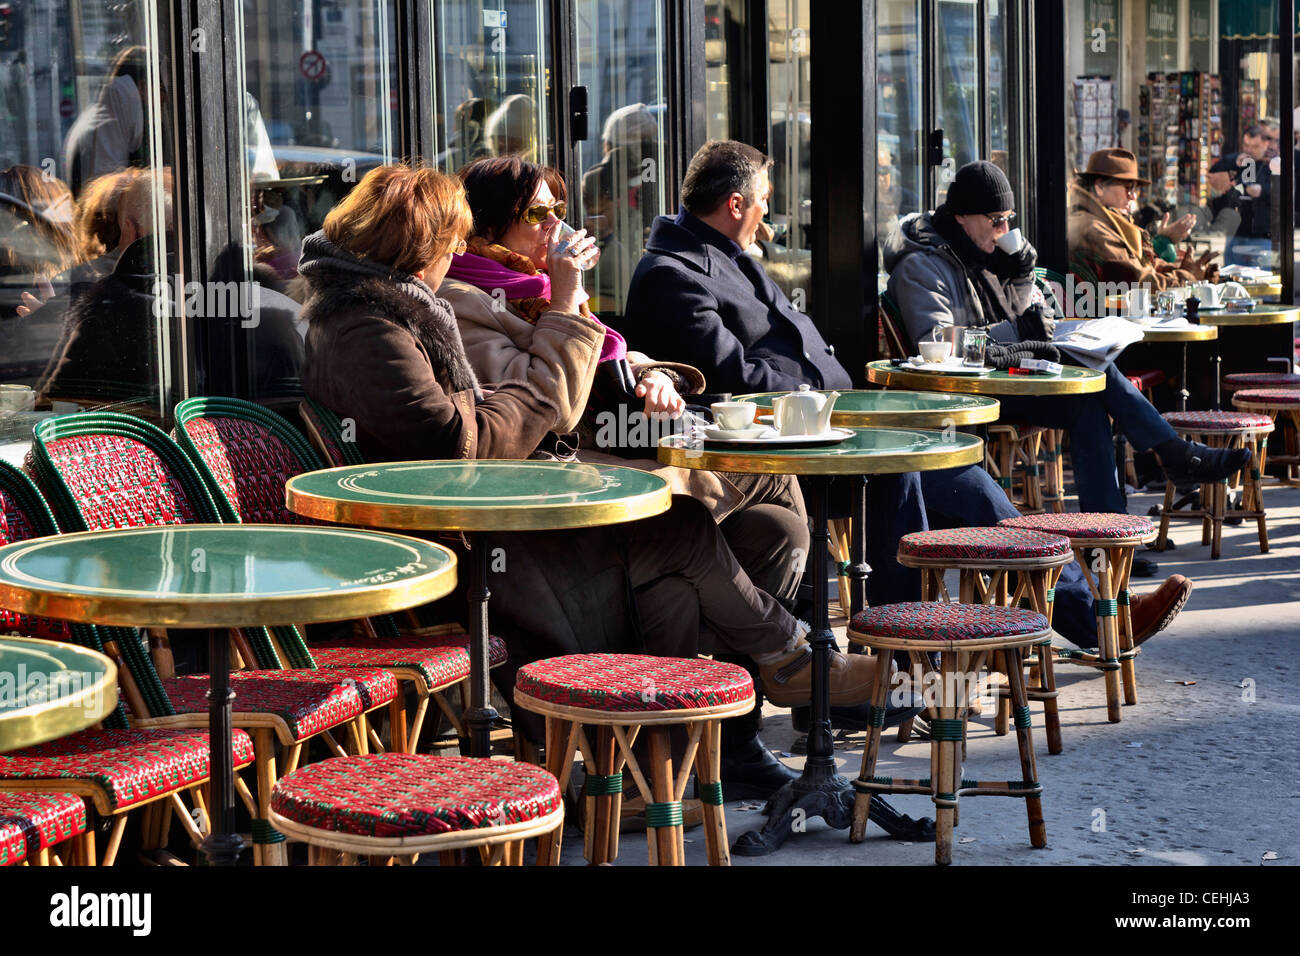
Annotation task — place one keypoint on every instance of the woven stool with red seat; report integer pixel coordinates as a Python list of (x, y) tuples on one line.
[(620, 695), (1033, 558), (1282, 404), (1221, 430), (32, 823), (1260, 380), (963, 635), (1115, 538), (399, 804)]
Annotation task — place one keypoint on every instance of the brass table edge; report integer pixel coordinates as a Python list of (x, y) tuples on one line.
[(920, 418), (49, 720), (776, 464), (974, 385)]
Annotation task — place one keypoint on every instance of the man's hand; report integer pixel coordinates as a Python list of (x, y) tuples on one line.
[(1200, 269), (1179, 229), (660, 396)]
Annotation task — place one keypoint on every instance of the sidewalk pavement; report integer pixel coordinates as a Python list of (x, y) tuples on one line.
[(1202, 770)]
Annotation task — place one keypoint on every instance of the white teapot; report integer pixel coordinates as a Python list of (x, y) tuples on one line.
[(804, 412)]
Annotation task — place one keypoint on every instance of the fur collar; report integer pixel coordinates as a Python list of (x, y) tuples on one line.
[(340, 283)]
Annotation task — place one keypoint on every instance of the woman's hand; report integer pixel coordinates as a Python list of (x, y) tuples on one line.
[(565, 269), (660, 396), (30, 303), (1179, 229)]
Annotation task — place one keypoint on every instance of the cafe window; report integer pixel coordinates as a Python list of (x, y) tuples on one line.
[(899, 185), (89, 281)]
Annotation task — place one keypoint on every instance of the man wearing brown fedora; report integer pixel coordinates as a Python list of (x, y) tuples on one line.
[(1105, 243)]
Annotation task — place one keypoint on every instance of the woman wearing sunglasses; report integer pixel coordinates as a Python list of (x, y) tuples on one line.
[(384, 351)]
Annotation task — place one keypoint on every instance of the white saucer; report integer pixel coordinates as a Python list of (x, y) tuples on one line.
[(771, 437), (917, 364), (714, 433)]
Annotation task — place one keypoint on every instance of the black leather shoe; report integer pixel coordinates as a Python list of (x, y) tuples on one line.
[(856, 717), (1204, 465), (1143, 567), (750, 772)]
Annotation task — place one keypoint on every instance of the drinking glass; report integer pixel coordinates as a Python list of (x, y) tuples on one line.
[(972, 347)]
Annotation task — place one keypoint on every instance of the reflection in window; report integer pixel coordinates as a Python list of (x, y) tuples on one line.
[(620, 61), (899, 185), (87, 272), (492, 87)]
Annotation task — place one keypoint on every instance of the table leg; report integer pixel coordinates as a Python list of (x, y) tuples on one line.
[(222, 847), (481, 716), (858, 567), (820, 791), (1183, 393)]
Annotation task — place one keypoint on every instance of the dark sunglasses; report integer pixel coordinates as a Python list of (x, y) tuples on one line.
[(535, 215), (999, 220)]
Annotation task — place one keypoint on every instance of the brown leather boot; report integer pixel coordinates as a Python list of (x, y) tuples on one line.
[(788, 682), (1154, 612)]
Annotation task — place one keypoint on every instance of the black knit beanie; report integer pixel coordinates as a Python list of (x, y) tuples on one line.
[(979, 187)]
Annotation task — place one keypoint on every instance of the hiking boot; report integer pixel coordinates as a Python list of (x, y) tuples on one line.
[(1201, 464), (787, 682), (1154, 612)]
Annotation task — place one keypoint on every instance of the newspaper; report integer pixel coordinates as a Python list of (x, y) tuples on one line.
[(1095, 343)]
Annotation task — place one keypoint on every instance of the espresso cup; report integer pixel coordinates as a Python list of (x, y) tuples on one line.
[(733, 416), (1011, 241), (935, 352)]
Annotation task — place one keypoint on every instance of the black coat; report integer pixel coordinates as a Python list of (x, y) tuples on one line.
[(690, 301)]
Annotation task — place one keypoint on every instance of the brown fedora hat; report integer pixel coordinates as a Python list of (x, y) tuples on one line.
[(1115, 164)]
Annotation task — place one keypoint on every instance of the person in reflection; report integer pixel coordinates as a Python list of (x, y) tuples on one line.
[(110, 134), (384, 350), (707, 302), (1242, 181), (517, 206)]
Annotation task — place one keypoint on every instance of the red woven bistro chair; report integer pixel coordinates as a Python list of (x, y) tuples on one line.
[(104, 470), (247, 454), (620, 696), (117, 769), (407, 804), (1282, 405), (1104, 546), (34, 824), (1222, 430), (1003, 567), (963, 636)]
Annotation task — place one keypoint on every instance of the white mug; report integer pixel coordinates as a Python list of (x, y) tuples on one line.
[(1209, 293), (733, 416), (1011, 241)]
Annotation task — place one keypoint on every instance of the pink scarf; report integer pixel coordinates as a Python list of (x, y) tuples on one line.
[(488, 275)]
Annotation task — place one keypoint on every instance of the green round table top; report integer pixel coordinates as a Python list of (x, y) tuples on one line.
[(49, 689), (222, 575), (871, 451), (1264, 314), (857, 408), (485, 495), (1072, 380)]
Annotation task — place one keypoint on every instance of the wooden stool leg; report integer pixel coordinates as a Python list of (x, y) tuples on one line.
[(942, 760), (559, 763), (1162, 540), (397, 737), (1259, 448), (1002, 721), (1041, 585), (879, 697), (1028, 767), (1122, 561), (1109, 635), (266, 854), (601, 837), (708, 775), (665, 841)]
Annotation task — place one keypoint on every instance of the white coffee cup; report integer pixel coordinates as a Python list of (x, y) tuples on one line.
[(733, 416), (935, 352), (1011, 241), (1209, 293)]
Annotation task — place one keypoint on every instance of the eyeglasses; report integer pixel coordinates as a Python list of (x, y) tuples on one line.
[(996, 221), (459, 248), (535, 215)]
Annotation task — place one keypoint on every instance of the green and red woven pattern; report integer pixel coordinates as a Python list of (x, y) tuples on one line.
[(31, 822), (634, 683), (307, 701), (16, 525), (1262, 380), (440, 664), (973, 544), (118, 482), (940, 621), (1210, 421), (1268, 396), (403, 795), (1085, 525), (130, 766), (250, 464)]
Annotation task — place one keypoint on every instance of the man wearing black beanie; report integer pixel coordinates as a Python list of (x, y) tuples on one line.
[(946, 270)]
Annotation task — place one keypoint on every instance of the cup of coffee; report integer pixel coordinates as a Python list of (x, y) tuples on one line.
[(733, 416), (935, 352), (1011, 241)]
